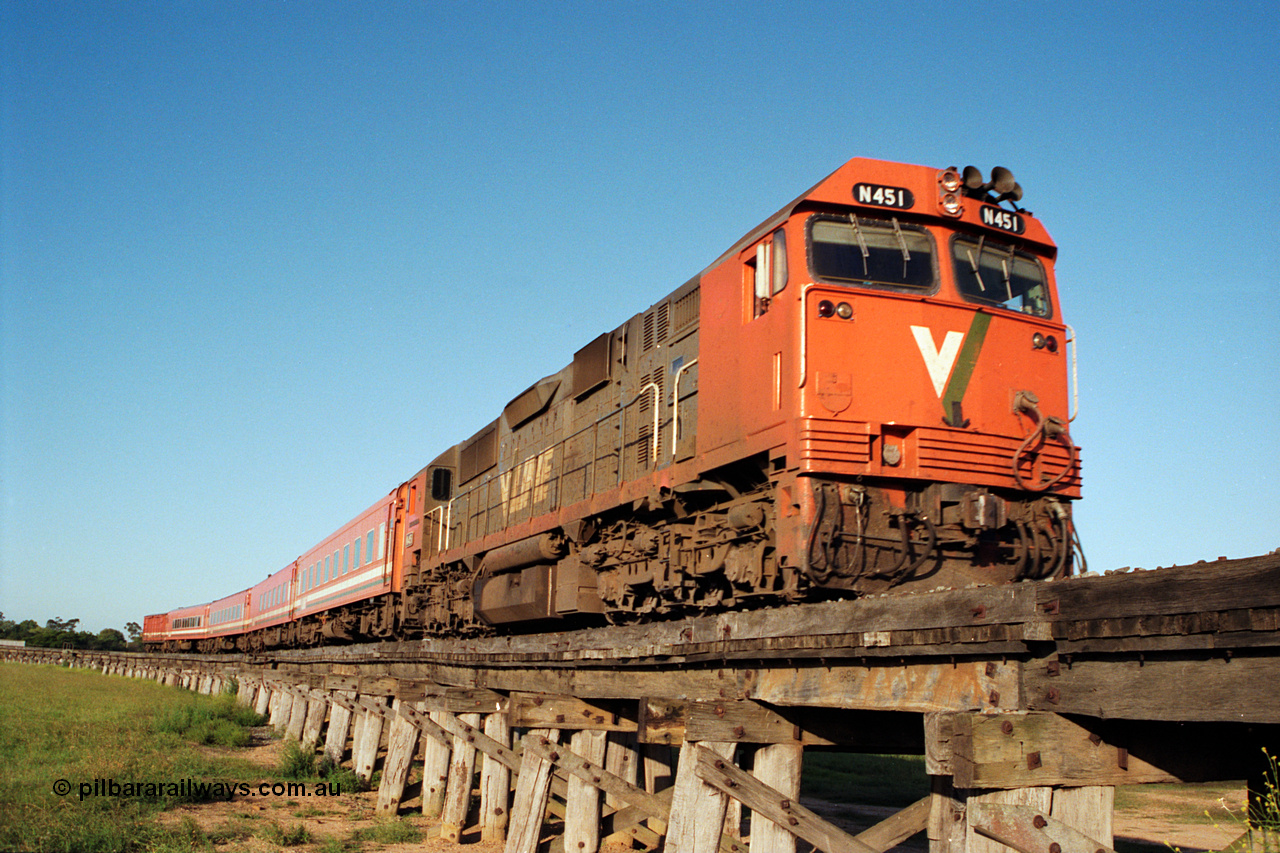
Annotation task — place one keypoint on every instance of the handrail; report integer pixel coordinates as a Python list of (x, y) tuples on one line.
[(657, 424), (675, 407), (804, 333), (1075, 380), (445, 519), (390, 539), (444, 539)]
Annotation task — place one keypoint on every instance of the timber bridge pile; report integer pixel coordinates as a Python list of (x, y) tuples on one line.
[(1029, 701)]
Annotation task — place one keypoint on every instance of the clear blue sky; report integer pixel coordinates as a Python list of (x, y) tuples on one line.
[(259, 262)]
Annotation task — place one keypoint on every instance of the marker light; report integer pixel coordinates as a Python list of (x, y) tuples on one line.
[(1037, 340), (826, 308), (844, 310), (1052, 343), (950, 182)]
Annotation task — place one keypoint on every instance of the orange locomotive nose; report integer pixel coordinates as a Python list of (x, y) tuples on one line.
[(917, 461)]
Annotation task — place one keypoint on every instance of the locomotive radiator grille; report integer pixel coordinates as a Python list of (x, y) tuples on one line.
[(824, 443), (988, 457), (849, 448)]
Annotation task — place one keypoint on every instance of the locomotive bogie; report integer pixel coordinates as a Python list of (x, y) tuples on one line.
[(870, 537)]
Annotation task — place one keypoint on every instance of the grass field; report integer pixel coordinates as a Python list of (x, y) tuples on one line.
[(90, 760)]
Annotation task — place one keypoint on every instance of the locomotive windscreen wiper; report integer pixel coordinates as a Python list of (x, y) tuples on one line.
[(973, 263), (902, 242), (1006, 264), (862, 242)]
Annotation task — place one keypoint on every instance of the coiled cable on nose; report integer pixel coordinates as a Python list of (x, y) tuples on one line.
[(1046, 429)]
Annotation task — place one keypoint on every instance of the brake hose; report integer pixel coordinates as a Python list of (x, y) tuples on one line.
[(1046, 428)]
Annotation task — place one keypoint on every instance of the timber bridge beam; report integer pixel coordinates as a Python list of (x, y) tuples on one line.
[(1030, 703)]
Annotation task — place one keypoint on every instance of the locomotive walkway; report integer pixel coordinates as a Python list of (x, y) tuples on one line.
[(1030, 702)]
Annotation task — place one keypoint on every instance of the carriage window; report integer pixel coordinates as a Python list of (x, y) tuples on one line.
[(997, 274), (861, 251)]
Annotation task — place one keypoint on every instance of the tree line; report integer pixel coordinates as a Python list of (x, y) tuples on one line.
[(62, 634)]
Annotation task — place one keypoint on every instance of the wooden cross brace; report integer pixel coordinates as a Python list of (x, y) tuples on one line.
[(727, 778), (1028, 831)]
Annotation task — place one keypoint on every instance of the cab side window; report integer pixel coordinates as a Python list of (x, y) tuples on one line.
[(766, 273)]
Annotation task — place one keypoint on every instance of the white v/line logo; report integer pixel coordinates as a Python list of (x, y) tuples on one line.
[(938, 361)]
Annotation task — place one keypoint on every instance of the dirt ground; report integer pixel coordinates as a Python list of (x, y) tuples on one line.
[(1188, 817), (1153, 815), (327, 821)]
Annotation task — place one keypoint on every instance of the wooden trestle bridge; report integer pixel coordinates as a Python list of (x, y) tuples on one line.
[(1030, 703)]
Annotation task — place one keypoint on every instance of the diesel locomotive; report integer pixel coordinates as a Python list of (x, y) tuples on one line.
[(867, 393)]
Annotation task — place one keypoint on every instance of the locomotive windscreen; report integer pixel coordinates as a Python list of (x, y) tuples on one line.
[(870, 252), (997, 274)]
